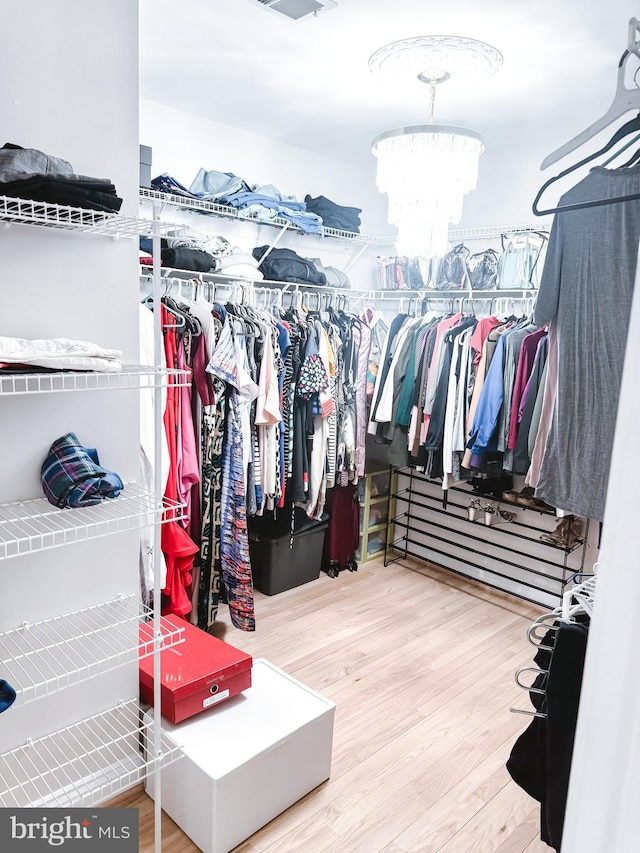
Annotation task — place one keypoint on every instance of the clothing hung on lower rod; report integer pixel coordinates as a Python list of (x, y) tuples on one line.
[(274, 413), (540, 760), (456, 395)]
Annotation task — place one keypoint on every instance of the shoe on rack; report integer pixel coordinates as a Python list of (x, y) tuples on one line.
[(567, 534), (576, 532), (528, 499), (505, 515), (560, 536)]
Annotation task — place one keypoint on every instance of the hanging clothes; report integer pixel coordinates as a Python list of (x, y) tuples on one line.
[(234, 542), (586, 289), (178, 548), (273, 414), (540, 760), (451, 385)]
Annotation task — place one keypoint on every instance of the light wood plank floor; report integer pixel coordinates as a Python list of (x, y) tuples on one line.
[(420, 665)]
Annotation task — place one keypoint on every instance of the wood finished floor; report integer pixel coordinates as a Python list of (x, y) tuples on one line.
[(420, 665)]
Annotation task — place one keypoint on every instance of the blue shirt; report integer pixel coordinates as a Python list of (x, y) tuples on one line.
[(482, 437)]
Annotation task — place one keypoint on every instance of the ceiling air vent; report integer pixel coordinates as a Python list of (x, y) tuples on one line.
[(297, 9)]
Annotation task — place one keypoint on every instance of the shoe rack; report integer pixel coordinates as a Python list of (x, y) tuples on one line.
[(504, 545)]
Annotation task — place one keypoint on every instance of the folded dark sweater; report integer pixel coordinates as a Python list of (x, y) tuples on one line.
[(183, 258), (77, 191), (335, 215)]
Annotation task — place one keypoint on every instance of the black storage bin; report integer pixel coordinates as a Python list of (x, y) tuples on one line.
[(276, 565)]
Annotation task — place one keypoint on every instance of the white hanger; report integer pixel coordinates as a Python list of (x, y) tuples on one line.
[(625, 99)]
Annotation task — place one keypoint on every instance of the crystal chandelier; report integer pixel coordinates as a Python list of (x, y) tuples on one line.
[(426, 170)]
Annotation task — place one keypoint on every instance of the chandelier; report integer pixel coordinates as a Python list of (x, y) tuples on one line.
[(427, 169)]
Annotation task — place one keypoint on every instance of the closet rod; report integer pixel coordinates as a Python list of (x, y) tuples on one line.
[(373, 293), (433, 295)]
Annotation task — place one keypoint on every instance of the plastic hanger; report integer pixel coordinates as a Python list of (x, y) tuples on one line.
[(632, 126), (624, 101)]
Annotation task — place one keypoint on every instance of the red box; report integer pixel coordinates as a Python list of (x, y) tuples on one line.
[(196, 674)]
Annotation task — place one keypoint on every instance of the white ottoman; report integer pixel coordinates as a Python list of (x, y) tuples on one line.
[(247, 760)]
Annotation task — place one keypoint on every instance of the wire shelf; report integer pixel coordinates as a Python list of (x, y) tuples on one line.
[(494, 231), (227, 212), (53, 654), (86, 763), (63, 217), (28, 526), (132, 376)]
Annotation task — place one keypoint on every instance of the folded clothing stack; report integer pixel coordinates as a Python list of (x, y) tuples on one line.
[(18, 354), (334, 276), (165, 183), (260, 201), (268, 202), (32, 174), (211, 185), (232, 261), (263, 201), (335, 215), (203, 254), (73, 477), (286, 265)]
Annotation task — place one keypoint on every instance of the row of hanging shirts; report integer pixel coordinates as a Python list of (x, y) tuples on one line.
[(274, 415), (456, 392)]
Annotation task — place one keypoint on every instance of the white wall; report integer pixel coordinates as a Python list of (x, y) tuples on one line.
[(69, 76), (182, 143)]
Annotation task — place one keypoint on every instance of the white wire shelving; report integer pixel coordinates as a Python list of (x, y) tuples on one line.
[(224, 211), (488, 232), (131, 377), (66, 218), (86, 763), (44, 657), (29, 526)]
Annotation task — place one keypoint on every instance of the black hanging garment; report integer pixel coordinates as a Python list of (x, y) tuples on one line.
[(540, 761), (343, 534)]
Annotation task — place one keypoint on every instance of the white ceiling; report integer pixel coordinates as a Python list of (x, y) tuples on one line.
[(307, 82)]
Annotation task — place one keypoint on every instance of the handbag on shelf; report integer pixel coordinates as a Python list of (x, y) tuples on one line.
[(483, 270), (454, 270), (517, 267)]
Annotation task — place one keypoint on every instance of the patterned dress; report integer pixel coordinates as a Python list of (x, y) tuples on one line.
[(234, 541)]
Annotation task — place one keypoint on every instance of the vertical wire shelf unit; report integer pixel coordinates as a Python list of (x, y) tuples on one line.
[(95, 759), (426, 528)]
